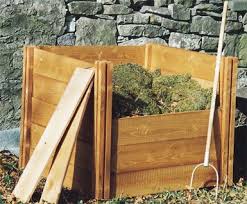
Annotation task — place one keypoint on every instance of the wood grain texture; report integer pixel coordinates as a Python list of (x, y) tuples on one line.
[(225, 118), (54, 181), (27, 106), (148, 56), (115, 54), (159, 179), (22, 135), (64, 112), (41, 112), (171, 153), (100, 132), (174, 60), (232, 119), (54, 66), (158, 128), (108, 131), (47, 89)]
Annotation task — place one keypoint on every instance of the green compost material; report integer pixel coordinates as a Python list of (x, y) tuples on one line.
[(137, 91)]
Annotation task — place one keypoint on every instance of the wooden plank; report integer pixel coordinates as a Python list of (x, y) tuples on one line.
[(80, 158), (100, 132), (78, 177), (47, 89), (96, 84), (54, 182), (41, 112), (46, 146), (82, 151), (158, 180), (27, 106), (158, 128), (174, 60), (225, 118), (115, 54), (232, 120), (55, 66), (148, 56), (108, 135), (21, 159), (172, 153)]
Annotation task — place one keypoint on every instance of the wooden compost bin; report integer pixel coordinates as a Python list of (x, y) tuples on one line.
[(138, 155)]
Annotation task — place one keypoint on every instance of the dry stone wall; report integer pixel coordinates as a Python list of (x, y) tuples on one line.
[(189, 24)]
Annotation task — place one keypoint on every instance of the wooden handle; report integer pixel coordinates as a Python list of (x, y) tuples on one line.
[(216, 79)]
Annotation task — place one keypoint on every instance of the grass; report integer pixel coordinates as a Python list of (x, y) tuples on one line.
[(9, 175)]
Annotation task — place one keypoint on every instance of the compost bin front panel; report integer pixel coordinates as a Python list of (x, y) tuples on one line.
[(154, 153), (45, 79)]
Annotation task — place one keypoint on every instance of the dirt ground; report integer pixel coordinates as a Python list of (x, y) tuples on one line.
[(9, 175)]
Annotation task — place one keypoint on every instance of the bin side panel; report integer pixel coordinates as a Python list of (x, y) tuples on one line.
[(174, 60), (50, 75), (115, 54)]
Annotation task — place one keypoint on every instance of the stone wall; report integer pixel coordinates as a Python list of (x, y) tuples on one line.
[(190, 24)]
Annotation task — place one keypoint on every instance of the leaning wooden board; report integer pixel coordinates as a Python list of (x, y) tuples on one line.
[(146, 132), (46, 76)]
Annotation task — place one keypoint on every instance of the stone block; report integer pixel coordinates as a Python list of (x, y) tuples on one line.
[(87, 8), (117, 9), (173, 25), (179, 12), (66, 40), (142, 31), (95, 32), (163, 11), (205, 25), (143, 41), (187, 41)]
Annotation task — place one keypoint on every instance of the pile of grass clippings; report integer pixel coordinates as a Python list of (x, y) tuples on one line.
[(137, 91), (9, 175)]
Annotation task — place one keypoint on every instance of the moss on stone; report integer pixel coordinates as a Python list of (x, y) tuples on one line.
[(139, 92)]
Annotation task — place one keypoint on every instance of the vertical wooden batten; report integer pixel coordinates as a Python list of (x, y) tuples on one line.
[(27, 105), (100, 129), (108, 132), (232, 119)]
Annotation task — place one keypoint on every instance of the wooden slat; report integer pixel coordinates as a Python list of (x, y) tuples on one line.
[(232, 120), (225, 117), (41, 112), (148, 56), (47, 89), (108, 135), (27, 106), (22, 144), (78, 177), (54, 182), (96, 84), (115, 54), (56, 127), (100, 132), (55, 66), (161, 154), (81, 157), (174, 60), (159, 180), (158, 128)]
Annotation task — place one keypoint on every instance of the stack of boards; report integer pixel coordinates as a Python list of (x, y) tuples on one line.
[(60, 135)]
